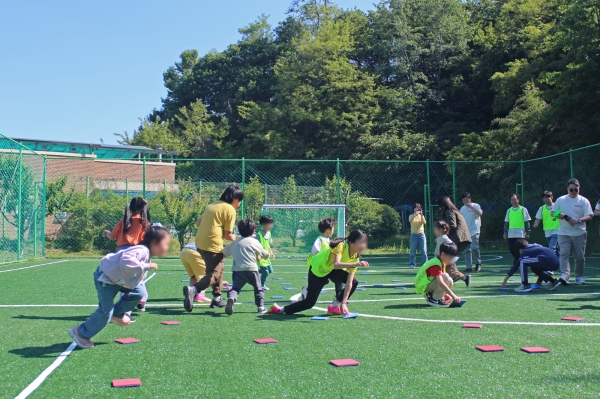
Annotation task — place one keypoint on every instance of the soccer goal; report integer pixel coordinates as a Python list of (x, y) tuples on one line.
[(296, 225)]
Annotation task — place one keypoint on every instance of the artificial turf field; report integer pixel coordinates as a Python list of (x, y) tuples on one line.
[(406, 349)]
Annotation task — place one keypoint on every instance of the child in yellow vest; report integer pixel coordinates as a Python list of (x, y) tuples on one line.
[(433, 281), (337, 263), (264, 236), (326, 227)]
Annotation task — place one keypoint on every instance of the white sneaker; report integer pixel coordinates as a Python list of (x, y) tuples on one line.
[(579, 280), (189, 292), (412, 266), (523, 288)]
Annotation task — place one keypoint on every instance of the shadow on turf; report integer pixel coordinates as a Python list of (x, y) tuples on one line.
[(419, 305), (59, 318), (182, 312), (50, 351)]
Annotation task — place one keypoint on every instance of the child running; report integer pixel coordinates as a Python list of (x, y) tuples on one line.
[(247, 253), (130, 231), (121, 272), (326, 227), (331, 264), (542, 261), (264, 237), (195, 267), (441, 230), (433, 281)]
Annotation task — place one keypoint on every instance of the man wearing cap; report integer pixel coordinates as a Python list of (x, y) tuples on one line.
[(574, 211)]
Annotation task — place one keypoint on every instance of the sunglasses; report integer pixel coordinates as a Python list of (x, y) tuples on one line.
[(547, 196), (573, 190)]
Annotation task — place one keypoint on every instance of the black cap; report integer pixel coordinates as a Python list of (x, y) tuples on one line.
[(573, 181)]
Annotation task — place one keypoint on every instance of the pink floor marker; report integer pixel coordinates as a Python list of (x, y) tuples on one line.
[(572, 318), (344, 362), (170, 323), (127, 383), (535, 349), (472, 325), (127, 341), (490, 348), (265, 341)]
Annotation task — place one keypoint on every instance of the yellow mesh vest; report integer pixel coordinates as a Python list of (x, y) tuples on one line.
[(548, 220), (516, 219)]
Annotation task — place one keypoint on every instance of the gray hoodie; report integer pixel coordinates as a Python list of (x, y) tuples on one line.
[(125, 268), (244, 252)]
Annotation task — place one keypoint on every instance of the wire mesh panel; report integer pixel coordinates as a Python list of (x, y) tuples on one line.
[(296, 225), (22, 202)]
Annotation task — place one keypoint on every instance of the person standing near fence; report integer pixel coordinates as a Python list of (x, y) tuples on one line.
[(544, 215), (517, 224), (459, 234), (417, 235), (574, 211), (472, 213), (214, 225)]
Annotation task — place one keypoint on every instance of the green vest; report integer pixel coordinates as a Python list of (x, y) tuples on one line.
[(549, 222), (324, 244), (515, 218), (264, 262), (421, 279), (320, 265)]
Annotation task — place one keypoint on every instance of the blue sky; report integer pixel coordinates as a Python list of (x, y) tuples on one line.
[(83, 70)]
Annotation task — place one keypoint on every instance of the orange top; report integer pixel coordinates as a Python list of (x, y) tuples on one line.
[(134, 235)]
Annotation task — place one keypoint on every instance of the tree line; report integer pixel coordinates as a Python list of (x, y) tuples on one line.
[(427, 79)]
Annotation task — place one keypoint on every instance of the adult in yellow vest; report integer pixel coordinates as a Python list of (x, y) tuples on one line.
[(337, 263), (434, 282), (544, 215), (516, 225)]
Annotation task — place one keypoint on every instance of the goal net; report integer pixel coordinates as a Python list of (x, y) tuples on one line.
[(296, 225)]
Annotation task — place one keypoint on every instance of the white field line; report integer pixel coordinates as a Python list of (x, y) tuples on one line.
[(29, 267), (38, 381), (42, 377), (519, 323)]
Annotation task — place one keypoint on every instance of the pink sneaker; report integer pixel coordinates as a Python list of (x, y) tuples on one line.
[(275, 309), (334, 310), (201, 298)]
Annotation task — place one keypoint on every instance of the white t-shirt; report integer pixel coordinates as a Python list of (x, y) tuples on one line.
[(517, 232), (538, 215), (576, 208), (317, 245), (473, 220)]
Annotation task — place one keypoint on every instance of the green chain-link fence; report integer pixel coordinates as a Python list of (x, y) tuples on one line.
[(86, 195), (22, 202)]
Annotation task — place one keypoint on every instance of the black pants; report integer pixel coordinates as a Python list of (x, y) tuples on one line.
[(316, 284), (511, 247), (461, 246), (240, 279), (539, 267)]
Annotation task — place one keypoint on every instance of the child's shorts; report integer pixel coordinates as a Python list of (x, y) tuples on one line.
[(193, 263)]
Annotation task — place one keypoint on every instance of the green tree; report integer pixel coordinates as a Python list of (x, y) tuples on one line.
[(153, 134), (181, 209), (254, 197), (58, 197)]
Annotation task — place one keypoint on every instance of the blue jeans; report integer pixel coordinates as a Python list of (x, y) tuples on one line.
[(418, 240), (106, 306), (264, 272), (553, 243)]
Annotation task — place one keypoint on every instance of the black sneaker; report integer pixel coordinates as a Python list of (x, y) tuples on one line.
[(229, 306), (469, 270), (477, 268), (552, 285), (440, 303), (218, 304), (468, 280)]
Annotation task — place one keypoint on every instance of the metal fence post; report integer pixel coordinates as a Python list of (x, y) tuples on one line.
[(34, 219), (87, 186), (338, 183), (571, 162), (243, 210), (127, 188), (522, 184), (427, 200), (453, 181), (19, 208), (144, 177), (164, 184), (43, 238)]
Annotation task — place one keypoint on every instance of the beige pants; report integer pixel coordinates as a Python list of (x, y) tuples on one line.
[(436, 290), (453, 271)]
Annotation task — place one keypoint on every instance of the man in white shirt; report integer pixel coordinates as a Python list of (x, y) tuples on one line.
[(472, 213), (574, 211)]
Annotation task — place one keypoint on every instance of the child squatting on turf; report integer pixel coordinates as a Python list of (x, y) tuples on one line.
[(121, 272), (441, 230), (337, 263), (541, 260), (247, 253), (264, 237), (433, 281)]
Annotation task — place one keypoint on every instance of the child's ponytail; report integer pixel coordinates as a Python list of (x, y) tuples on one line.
[(354, 236), (138, 205)]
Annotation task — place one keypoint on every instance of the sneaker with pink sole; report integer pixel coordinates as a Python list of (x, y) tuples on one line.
[(334, 310), (201, 298), (81, 342), (275, 309)]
